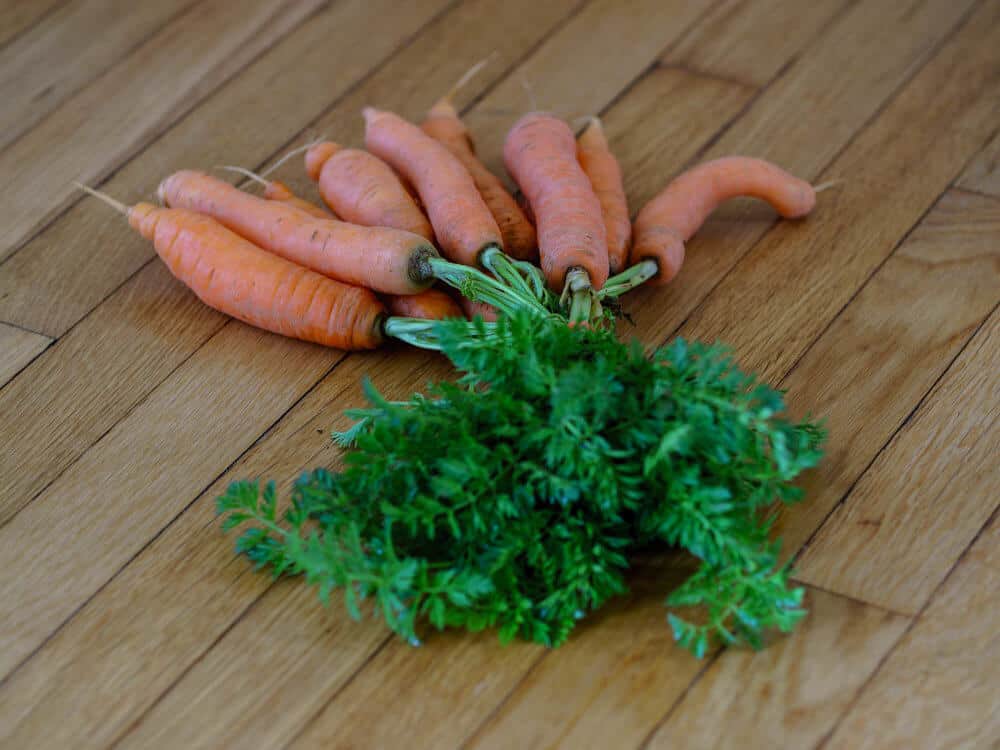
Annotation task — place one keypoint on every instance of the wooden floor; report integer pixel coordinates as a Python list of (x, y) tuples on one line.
[(126, 620)]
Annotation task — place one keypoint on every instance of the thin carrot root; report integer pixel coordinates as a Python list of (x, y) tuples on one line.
[(116, 205), (290, 154), (828, 184), (245, 172), (466, 77), (529, 90)]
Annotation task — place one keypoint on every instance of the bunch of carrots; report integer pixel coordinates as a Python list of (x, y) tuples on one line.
[(417, 213)]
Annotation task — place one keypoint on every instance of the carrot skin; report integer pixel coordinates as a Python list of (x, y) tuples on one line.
[(362, 189), (380, 258), (605, 174), (279, 191), (540, 154), (235, 277), (462, 221), (432, 304), (444, 125), (678, 211)]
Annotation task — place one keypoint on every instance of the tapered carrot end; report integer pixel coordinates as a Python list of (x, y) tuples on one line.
[(593, 134), (317, 156), (143, 217), (371, 114), (443, 108)]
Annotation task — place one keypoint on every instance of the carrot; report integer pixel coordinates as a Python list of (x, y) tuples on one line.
[(462, 222), (605, 175), (672, 217), (362, 189), (235, 277), (483, 310), (274, 190), (379, 258), (540, 154), (432, 304), (444, 125)]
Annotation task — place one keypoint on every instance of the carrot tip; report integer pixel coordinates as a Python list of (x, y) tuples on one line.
[(117, 205), (828, 184)]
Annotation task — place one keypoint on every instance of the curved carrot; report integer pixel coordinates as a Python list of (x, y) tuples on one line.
[(379, 258), (362, 189), (444, 125), (672, 217), (462, 222), (540, 154), (235, 277), (605, 175), (431, 304)]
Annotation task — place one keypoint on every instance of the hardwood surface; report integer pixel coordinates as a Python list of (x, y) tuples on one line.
[(126, 406)]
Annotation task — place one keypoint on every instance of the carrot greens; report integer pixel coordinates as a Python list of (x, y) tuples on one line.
[(518, 497)]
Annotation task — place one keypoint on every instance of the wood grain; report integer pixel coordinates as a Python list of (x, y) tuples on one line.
[(17, 348), (940, 687), (902, 528), (750, 42), (801, 122), (18, 16), (784, 697), (150, 324), (866, 373), (983, 173), (58, 56), (162, 612), (894, 171), (320, 57), (92, 132)]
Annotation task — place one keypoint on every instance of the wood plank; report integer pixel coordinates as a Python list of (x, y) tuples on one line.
[(733, 43), (18, 16), (608, 696), (983, 173), (895, 170), (941, 686), (92, 132), (58, 56), (150, 325), (924, 500), (68, 664), (802, 122), (791, 694), (17, 348), (631, 36), (165, 609), (93, 376), (879, 358), (595, 713)]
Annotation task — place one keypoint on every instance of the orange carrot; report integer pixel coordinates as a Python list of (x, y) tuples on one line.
[(483, 310), (540, 154), (605, 176), (275, 190), (362, 189), (444, 125), (462, 221), (235, 277), (431, 304), (672, 217), (379, 258)]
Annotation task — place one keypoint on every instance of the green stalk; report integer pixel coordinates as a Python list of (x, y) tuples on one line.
[(584, 303), (479, 287), (629, 279)]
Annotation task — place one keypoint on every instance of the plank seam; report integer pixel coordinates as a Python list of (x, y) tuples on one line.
[(929, 55), (127, 53), (824, 741), (157, 133), (709, 75)]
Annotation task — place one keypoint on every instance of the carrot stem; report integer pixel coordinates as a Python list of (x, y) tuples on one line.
[(584, 304), (629, 279), (421, 333), (502, 266), (478, 287)]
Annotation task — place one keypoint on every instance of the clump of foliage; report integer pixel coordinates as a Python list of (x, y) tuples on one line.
[(516, 497)]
